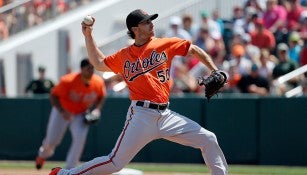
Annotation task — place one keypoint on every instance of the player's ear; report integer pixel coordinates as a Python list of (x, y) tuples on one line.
[(134, 29)]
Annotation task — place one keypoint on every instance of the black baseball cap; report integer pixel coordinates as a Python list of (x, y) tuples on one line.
[(138, 16), (84, 62)]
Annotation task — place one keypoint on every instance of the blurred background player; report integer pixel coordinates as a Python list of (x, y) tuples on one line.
[(71, 99), (42, 85)]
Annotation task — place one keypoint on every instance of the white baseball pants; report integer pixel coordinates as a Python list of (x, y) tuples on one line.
[(144, 125)]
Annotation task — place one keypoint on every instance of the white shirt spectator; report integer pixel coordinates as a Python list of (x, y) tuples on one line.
[(176, 29)]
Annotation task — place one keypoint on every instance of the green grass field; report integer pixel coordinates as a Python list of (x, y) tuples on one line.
[(180, 168)]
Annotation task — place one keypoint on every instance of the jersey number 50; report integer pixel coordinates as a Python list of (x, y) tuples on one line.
[(163, 75)]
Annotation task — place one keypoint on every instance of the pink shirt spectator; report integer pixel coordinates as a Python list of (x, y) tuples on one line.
[(270, 17)]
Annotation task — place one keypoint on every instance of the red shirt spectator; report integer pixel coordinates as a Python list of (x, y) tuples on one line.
[(294, 15), (303, 56), (262, 37), (303, 35)]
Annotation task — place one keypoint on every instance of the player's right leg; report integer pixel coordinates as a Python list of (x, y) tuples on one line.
[(139, 130), (55, 132)]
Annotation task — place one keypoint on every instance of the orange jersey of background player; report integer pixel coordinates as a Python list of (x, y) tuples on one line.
[(75, 96), (146, 69)]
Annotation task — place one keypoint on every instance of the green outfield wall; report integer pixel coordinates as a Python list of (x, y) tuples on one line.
[(250, 129)]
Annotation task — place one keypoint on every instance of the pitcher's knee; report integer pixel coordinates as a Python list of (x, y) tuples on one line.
[(118, 166), (211, 138)]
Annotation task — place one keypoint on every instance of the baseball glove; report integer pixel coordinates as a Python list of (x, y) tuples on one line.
[(90, 118), (213, 83)]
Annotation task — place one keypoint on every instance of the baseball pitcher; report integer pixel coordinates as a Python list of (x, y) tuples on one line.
[(145, 67)]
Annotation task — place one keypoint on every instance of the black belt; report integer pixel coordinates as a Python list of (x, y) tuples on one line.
[(152, 105)]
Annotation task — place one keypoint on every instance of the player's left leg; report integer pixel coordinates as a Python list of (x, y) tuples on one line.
[(79, 132), (182, 130)]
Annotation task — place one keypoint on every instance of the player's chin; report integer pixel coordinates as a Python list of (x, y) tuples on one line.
[(152, 33)]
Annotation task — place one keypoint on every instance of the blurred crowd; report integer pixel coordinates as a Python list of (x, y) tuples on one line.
[(263, 40), (32, 13), (258, 45)]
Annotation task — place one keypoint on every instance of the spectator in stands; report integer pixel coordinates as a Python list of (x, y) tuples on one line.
[(233, 79), (262, 37), (204, 40), (218, 20), (212, 26), (274, 16), (4, 31), (32, 13), (266, 65), (237, 34), (295, 47), (35, 16), (239, 59), (252, 51), (285, 65), (254, 83), (18, 19), (187, 22), (62, 6), (303, 35), (259, 5), (42, 8), (219, 46), (294, 14), (251, 15), (40, 85), (183, 81), (176, 30), (240, 21), (238, 18)]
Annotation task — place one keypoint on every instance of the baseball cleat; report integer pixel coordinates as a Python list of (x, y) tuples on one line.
[(39, 162), (55, 171)]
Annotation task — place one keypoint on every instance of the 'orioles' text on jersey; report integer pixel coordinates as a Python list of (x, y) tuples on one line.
[(146, 69), (75, 96)]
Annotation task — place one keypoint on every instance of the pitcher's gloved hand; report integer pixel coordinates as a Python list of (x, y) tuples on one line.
[(213, 83), (92, 117)]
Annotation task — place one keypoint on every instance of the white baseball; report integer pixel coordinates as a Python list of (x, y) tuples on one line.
[(88, 20)]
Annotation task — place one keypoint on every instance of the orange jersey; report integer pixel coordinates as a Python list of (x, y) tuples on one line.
[(75, 96), (146, 69)]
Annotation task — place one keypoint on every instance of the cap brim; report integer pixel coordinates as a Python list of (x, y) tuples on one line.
[(151, 17)]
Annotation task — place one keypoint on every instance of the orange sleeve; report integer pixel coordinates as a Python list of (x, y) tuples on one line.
[(115, 61), (179, 46)]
